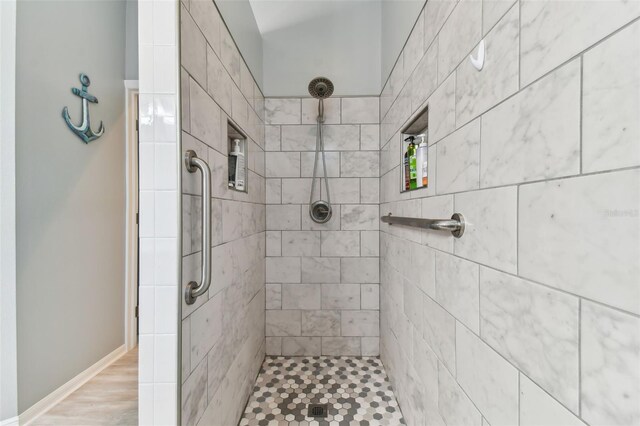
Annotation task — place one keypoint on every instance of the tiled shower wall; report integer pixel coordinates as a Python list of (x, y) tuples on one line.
[(532, 317), (223, 331), (322, 279)]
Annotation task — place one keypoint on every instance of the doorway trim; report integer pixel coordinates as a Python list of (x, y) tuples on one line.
[(8, 324), (131, 222)]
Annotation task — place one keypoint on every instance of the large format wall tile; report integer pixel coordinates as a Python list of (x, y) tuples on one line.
[(458, 160), (610, 103), (490, 235), (538, 408), (282, 111), (455, 407), (459, 34), (439, 331), (553, 31), (535, 134), (610, 360), (535, 328), (457, 289), (489, 380), (478, 91), (596, 217), (360, 110)]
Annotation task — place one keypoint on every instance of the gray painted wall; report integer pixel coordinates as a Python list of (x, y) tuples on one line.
[(398, 18), (131, 40), (70, 196), (339, 40), (238, 16)]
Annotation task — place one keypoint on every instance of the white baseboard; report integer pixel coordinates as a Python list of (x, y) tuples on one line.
[(49, 401), (10, 422)]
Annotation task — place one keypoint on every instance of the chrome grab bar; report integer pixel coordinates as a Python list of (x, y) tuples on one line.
[(455, 225), (193, 290)]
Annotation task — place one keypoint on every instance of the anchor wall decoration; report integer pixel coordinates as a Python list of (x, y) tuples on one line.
[(83, 131)]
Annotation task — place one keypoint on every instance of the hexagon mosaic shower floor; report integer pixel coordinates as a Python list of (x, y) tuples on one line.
[(356, 390)]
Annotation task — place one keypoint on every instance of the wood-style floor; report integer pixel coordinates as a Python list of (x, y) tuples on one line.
[(110, 398)]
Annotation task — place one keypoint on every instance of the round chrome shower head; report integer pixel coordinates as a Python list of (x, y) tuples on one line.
[(321, 87)]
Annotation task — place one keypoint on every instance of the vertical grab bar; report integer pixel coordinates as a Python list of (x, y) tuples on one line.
[(193, 290)]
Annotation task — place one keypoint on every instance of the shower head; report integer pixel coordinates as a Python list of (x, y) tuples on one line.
[(320, 87)]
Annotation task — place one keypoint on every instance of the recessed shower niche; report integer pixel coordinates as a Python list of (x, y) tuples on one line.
[(237, 148), (414, 172)]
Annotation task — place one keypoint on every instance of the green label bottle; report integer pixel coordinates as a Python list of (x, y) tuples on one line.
[(413, 171)]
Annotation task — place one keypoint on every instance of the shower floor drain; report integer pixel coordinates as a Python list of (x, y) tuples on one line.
[(317, 410)]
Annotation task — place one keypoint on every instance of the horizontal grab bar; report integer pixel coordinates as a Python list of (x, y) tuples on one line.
[(455, 225)]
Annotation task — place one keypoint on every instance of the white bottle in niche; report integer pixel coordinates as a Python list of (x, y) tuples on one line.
[(239, 165), (422, 161)]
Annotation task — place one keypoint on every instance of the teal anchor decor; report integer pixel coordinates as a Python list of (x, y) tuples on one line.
[(83, 131)]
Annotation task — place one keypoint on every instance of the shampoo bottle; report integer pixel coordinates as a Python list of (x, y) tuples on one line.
[(240, 165), (413, 172), (421, 162)]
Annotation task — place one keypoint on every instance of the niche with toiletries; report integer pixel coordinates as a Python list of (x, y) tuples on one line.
[(414, 170), (237, 146)]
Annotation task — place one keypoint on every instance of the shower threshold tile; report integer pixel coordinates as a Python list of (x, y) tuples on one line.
[(355, 389)]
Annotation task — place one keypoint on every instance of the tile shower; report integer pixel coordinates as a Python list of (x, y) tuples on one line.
[(528, 319)]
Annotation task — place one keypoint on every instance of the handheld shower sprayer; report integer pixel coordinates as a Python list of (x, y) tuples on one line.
[(320, 210)]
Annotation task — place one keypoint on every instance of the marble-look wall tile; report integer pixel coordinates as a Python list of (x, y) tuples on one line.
[(359, 217), (273, 191), (369, 296), (282, 111), (283, 269), (344, 190), (534, 327), (282, 164), (360, 323), (341, 137), (204, 13), (273, 296), (359, 164), (489, 380), (460, 33), (610, 105), (205, 117), (425, 78), (458, 160), (283, 323), (439, 332), (490, 235), (363, 270), (332, 159), (537, 407), (436, 13), (193, 48), (454, 405), (300, 243), (340, 243), (610, 391), (273, 345), (194, 395), (285, 217), (437, 207), (370, 346), (546, 40), (272, 136), (229, 55), (300, 296), (536, 134), (298, 138), (442, 109), (331, 111), (414, 48), (341, 346), (457, 289), (370, 190), (301, 346), (603, 236), (340, 296), (493, 11), (206, 328), (321, 323), (295, 191), (320, 269), (360, 110), (476, 91), (370, 137), (219, 82)]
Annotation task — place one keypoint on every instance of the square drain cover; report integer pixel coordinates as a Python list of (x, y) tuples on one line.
[(317, 410)]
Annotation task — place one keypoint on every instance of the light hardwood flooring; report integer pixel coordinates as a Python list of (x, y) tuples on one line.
[(110, 398)]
